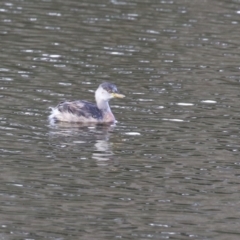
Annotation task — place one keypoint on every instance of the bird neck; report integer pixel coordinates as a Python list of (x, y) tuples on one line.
[(106, 111), (103, 105)]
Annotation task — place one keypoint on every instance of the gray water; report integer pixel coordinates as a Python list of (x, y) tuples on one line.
[(170, 167)]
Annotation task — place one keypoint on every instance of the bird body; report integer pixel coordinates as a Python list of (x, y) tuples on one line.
[(86, 112)]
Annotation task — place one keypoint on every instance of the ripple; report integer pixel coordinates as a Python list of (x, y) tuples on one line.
[(173, 120), (132, 133), (185, 104), (208, 101)]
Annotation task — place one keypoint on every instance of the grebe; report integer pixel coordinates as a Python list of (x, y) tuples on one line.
[(85, 112)]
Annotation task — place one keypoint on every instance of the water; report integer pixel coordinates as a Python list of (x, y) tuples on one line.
[(169, 169)]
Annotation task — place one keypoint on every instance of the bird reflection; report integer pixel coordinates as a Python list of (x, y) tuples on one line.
[(83, 139), (103, 152)]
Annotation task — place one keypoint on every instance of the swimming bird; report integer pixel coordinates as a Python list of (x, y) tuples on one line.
[(85, 112)]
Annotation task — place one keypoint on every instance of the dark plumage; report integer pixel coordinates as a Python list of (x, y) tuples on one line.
[(80, 108), (109, 87)]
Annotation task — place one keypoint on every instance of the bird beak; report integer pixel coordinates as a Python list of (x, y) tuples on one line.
[(117, 95)]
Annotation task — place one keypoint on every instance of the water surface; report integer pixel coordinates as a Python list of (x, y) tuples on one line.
[(169, 169)]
